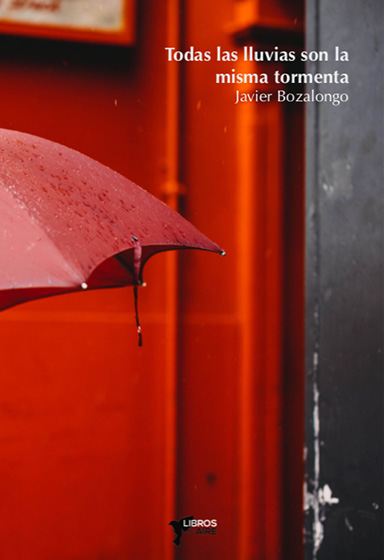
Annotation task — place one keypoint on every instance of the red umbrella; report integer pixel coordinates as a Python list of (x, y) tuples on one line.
[(69, 223)]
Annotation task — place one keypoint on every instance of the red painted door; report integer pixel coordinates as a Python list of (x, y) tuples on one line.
[(102, 443)]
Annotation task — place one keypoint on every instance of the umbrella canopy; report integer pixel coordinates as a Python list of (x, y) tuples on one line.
[(69, 223)]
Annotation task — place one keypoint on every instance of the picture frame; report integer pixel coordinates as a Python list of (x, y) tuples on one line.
[(98, 21)]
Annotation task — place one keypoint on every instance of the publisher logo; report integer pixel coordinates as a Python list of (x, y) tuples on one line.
[(192, 525)]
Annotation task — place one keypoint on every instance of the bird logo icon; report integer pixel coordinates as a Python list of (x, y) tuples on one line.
[(179, 526)]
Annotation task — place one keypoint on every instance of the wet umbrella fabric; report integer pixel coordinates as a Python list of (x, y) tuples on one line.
[(70, 223)]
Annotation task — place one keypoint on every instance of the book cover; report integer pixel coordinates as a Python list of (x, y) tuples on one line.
[(248, 421)]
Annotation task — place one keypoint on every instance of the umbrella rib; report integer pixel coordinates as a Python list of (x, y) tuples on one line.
[(121, 261), (68, 263), (41, 233)]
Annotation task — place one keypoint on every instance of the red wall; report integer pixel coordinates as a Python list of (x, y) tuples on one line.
[(102, 443)]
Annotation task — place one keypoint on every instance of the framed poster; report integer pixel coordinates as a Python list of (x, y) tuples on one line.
[(105, 21)]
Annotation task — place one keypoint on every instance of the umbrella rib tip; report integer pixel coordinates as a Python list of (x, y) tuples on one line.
[(222, 253), (84, 285)]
